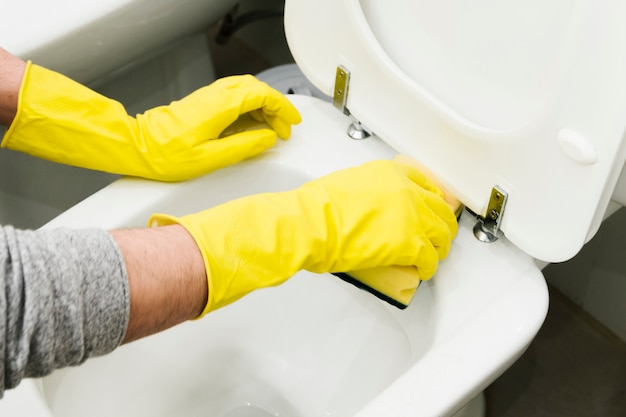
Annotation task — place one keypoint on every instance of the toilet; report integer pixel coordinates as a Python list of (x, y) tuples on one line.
[(525, 127)]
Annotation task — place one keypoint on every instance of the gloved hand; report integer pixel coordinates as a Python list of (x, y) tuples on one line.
[(378, 214), (66, 122)]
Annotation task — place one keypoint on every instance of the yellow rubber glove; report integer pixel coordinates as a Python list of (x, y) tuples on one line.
[(378, 214), (63, 121)]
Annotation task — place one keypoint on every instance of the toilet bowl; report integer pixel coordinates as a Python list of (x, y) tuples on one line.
[(315, 346)]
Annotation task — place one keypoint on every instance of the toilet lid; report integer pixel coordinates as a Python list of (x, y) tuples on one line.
[(526, 97)]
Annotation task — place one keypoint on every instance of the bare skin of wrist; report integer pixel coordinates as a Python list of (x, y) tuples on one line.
[(11, 75), (166, 275)]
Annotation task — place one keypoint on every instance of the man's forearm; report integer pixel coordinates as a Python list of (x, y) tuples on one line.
[(166, 276), (64, 297), (11, 74), (67, 295)]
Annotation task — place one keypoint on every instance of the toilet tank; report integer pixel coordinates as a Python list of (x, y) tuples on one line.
[(87, 39)]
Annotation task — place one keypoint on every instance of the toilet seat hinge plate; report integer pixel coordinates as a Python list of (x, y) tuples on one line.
[(356, 130), (340, 93), (487, 229)]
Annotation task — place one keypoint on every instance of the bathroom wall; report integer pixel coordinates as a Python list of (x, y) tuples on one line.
[(265, 37), (595, 279)]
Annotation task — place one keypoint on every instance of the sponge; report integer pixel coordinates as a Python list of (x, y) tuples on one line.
[(397, 284), (393, 284)]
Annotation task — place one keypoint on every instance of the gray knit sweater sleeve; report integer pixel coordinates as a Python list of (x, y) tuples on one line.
[(63, 298)]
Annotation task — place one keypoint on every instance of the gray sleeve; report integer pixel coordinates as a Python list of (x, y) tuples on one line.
[(63, 298)]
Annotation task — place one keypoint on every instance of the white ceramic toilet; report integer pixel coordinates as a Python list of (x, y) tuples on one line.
[(524, 126)]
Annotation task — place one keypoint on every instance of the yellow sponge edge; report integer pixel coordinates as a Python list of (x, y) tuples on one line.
[(377, 282)]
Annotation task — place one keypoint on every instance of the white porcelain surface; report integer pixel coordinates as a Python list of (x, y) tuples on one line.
[(315, 346), (529, 96), (87, 39), (34, 191)]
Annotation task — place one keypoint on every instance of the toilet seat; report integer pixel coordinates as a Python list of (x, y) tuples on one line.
[(557, 150)]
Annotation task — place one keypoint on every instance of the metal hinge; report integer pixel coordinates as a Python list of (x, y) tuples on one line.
[(342, 84), (340, 100), (487, 229)]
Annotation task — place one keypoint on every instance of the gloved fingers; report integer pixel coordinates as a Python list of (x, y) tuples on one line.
[(439, 211), (252, 93), (410, 169), (412, 165), (244, 122), (275, 104), (257, 115), (438, 226), (438, 231), (427, 260), (440, 205), (228, 98), (236, 147), (278, 124), (270, 104), (213, 154)]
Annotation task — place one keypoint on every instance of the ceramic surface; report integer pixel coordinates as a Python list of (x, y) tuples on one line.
[(315, 346)]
